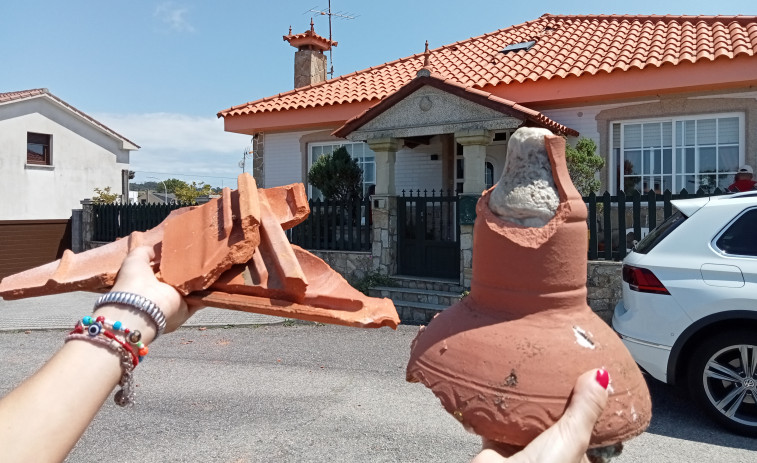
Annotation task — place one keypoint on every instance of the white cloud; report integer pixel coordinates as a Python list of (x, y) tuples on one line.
[(174, 16), (180, 146)]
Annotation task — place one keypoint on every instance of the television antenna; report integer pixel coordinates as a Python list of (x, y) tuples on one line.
[(249, 153), (330, 14)]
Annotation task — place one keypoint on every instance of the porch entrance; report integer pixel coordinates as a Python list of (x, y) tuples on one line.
[(428, 234)]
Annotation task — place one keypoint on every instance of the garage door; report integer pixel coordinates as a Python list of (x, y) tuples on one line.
[(28, 243)]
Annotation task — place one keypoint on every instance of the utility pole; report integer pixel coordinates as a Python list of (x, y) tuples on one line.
[(330, 14)]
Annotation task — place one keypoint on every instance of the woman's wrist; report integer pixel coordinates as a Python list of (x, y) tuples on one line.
[(130, 318)]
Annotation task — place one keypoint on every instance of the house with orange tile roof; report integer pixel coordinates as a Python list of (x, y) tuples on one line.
[(671, 102)]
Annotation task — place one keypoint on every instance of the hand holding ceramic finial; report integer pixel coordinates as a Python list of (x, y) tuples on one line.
[(567, 440)]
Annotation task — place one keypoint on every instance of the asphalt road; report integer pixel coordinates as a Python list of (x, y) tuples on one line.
[(301, 393)]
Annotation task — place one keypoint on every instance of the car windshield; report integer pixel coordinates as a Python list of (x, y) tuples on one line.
[(658, 234)]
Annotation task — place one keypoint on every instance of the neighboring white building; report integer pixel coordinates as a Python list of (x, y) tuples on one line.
[(52, 156)]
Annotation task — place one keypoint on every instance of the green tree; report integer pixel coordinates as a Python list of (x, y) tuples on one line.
[(337, 175), (172, 184), (583, 165), (189, 193), (104, 196)]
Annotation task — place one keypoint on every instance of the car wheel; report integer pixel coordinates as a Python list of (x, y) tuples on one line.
[(723, 379)]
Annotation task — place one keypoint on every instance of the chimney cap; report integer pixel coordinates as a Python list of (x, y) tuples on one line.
[(309, 39)]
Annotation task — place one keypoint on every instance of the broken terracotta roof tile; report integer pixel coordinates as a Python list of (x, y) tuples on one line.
[(288, 203), (200, 245), (235, 247), (93, 270), (329, 297)]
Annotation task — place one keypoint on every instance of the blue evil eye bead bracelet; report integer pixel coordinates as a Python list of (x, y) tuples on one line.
[(138, 302), (94, 326)]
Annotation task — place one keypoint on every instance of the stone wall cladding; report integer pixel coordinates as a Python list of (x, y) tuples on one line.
[(605, 287), (350, 264), (384, 248)]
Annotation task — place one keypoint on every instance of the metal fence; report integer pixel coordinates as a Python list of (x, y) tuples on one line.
[(617, 221), (113, 221), (335, 226)]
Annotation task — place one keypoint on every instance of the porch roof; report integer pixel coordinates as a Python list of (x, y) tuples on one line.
[(425, 77), (565, 46)]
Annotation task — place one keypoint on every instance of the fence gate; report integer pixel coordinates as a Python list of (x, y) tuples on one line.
[(428, 238)]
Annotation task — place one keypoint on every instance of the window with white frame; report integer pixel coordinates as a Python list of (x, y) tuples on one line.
[(366, 159), (689, 152)]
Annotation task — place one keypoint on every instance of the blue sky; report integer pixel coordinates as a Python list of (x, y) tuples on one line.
[(158, 71)]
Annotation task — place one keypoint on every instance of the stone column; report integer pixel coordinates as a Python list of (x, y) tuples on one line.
[(386, 153), (87, 224), (466, 255), (474, 155), (384, 249)]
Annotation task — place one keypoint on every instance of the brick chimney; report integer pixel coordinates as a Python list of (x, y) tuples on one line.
[(309, 61)]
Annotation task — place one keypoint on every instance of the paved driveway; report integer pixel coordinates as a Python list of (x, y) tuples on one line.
[(302, 393)]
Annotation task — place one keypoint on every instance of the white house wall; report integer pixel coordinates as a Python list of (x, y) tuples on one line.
[(83, 158), (283, 163), (414, 169)]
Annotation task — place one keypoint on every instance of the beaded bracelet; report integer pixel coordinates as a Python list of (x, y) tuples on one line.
[(138, 302), (125, 396), (95, 329), (133, 337)]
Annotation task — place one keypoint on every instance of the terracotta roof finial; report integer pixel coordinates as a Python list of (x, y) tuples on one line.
[(312, 25), (290, 30), (426, 53)]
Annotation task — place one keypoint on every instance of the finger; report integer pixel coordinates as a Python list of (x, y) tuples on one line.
[(137, 261), (568, 439)]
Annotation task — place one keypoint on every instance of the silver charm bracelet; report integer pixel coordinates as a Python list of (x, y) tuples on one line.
[(138, 302)]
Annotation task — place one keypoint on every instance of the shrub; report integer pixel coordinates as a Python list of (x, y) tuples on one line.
[(583, 165), (337, 175)]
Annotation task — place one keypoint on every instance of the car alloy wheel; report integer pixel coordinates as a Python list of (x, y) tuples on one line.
[(723, 379)]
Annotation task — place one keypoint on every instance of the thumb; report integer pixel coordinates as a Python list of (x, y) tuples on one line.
[(568, 439), (588, 400)]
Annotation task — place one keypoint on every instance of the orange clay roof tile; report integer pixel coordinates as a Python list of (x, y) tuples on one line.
[(581, 44), (228, 253)]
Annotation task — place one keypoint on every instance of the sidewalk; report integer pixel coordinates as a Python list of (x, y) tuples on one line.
[(60, 311)]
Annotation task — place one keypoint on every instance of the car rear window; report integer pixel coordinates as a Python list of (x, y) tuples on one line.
[(658, 234), (739, 237)]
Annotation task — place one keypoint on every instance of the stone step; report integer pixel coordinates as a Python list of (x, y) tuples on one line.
[(425, 296), (433, 284), (417, 313)]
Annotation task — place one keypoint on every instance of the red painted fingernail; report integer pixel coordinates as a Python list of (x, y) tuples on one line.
[(603, 377)]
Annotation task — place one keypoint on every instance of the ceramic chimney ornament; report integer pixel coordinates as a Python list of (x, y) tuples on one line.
[(504, 359)]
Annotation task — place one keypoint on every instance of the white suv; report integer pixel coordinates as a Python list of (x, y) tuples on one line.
[(689, 309)]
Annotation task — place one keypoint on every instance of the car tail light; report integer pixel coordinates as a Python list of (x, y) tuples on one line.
[(643, 280)]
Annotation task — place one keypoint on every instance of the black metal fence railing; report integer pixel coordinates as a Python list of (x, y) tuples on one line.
[(335, 226), (113, 221), (617, 221), (614, 221)]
